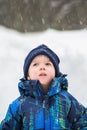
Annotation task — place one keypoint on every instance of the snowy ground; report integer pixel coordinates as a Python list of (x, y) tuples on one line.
[(71, 47)]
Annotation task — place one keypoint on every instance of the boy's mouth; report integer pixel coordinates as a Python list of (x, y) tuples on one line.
[(42, 74)]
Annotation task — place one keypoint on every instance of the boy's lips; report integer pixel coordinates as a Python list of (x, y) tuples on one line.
[(42, 74)]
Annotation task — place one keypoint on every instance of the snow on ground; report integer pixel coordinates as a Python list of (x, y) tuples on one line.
[(71, 47)]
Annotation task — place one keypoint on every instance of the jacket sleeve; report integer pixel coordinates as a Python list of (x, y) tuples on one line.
[(12, 119), (77, 115)]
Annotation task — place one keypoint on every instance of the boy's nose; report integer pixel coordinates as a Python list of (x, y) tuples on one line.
[(42, 68)]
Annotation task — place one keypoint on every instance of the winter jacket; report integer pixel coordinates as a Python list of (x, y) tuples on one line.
[(35, 110)]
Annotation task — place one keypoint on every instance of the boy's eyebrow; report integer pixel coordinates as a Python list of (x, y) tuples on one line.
[(34, 60)]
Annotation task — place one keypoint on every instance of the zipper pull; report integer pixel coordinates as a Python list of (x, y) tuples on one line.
[(43, 103)]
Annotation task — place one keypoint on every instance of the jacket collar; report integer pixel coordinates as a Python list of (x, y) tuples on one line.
[(34, 88)]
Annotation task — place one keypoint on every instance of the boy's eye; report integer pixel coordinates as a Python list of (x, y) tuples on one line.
[(35, 64), (48, 64)]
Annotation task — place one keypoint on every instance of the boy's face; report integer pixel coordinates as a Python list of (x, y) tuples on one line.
[(42, 69)]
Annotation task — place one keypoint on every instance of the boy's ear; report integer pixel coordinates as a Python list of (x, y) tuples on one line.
[(28, 77)]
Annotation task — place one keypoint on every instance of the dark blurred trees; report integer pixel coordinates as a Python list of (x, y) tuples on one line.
[(39, 15)]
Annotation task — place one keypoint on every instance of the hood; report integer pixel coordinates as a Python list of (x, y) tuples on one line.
[(30, 87), (33, 88)]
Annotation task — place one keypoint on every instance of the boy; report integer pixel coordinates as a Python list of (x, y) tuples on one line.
[(44, 103)]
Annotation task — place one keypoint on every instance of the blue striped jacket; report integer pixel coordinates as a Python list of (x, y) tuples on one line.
[(35, 110)]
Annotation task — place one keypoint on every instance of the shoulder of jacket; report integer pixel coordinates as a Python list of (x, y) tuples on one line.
[(66, 95), (15, 105)]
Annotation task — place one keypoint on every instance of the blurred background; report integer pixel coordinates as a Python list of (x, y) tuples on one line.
[(39, 15), (60, 24)]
